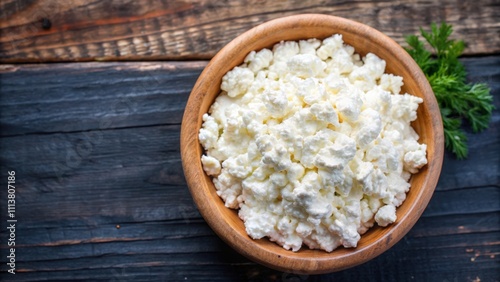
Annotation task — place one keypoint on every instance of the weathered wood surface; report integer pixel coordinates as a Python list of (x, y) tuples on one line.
[(74, 30), (101, 194)]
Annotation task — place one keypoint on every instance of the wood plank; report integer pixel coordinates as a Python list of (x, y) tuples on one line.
[(94, 95), (456, 224), (42, 257), (94, 152), (483, 163), (46, 30), (195, 227), (464, 201)]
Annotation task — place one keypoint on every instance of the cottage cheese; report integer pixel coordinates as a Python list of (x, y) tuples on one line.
[(312, 143)]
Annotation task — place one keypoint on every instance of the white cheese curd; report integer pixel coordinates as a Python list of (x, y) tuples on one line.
[(312, 143)]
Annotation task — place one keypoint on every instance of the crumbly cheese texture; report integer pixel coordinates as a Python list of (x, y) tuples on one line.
[(312, 143)]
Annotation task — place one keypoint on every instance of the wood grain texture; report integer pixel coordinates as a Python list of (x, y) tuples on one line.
[(111, 95), (152, 30), (72, 196)]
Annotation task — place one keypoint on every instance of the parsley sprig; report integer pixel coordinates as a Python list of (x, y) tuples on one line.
[(457, 99)]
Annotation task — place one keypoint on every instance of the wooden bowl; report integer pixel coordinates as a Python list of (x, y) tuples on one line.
[(226, 223)]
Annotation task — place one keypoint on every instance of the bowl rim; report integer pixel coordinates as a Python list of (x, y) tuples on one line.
[(257, 251)]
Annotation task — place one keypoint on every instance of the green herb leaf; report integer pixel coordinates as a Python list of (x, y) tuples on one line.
[(457, 99)]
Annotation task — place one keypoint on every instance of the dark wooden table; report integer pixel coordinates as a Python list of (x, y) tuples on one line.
[(91, 99)]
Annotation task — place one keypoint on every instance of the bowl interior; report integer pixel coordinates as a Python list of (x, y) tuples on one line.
[(226, 222)]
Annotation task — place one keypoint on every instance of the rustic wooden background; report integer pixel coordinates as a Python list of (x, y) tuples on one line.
[(76, 30), (101, 194)]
